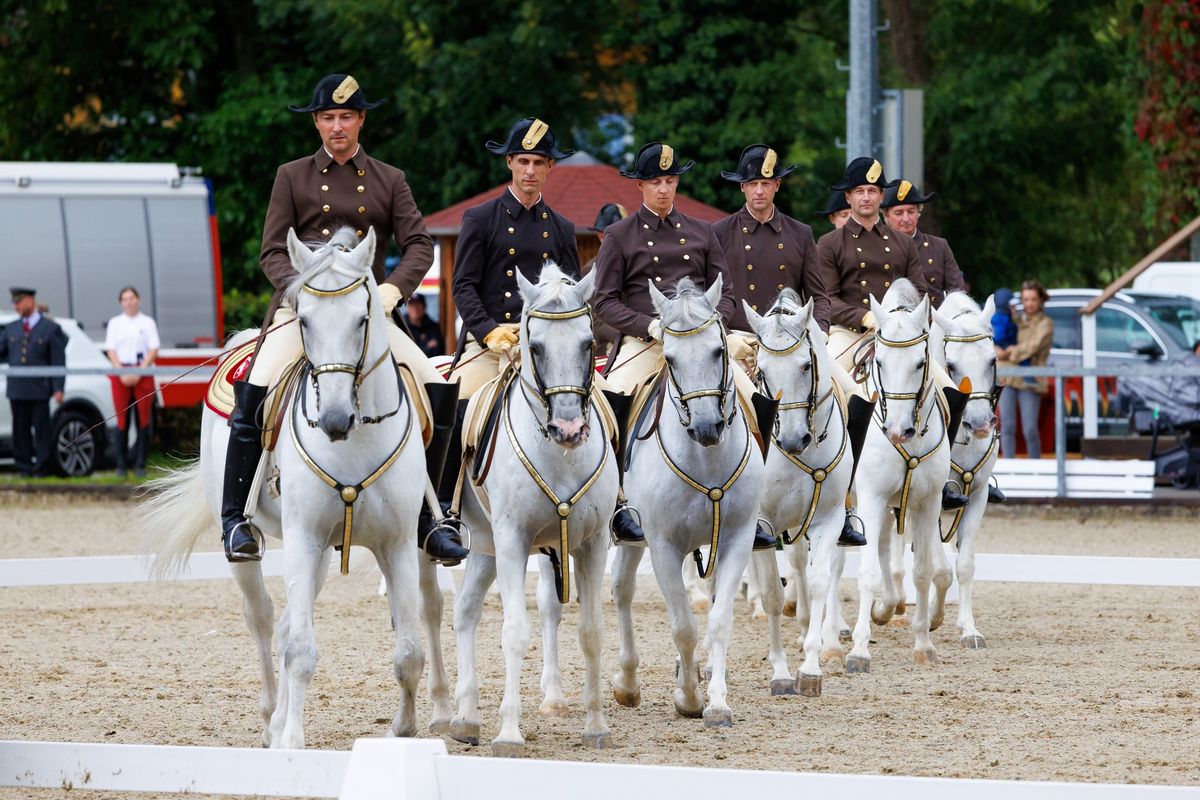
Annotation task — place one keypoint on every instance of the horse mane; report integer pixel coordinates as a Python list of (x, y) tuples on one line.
[(788, 323), (689, 307), (324, 259), (902, 295), (966, 314), (554, 287)]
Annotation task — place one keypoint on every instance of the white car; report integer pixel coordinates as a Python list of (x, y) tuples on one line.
[(87, 404)]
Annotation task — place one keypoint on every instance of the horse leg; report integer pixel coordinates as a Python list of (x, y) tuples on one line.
[(897, 566), (468, 608), (925, 544), (717, 713), (818, 645), (699, 591), (260, 618), (302, 564), (554, 702), (756, 582), (790, 591), (763, 562), (589, 560), (869, 577), (511, 559), (398, 561), (667, 568), (836, 626), (884, 608), (626, 689), (970, 637), (799, 556), (431, 620)]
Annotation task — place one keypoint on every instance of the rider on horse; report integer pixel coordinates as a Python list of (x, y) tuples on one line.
[(337, 185)]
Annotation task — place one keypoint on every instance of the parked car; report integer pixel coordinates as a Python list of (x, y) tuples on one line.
[(79, 448)]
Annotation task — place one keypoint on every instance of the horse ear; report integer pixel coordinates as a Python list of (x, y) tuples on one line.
[(876, 309), (942, 320), (657, 298), (753, 317), (989, 308), (586, 286), (806, 311), (364, 253), (922, 312), (526, 287), (713, 294), (297, 252)]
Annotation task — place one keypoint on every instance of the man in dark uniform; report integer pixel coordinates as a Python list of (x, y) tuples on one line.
[(605, 335), (33, 340), (861, 259), (659, 244), (426, 333), (836, 209), (337, 185), (902, 210)]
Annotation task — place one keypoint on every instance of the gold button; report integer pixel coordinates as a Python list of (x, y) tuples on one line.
[(754, 307), (914, 462), (545, 234), (887, 266), (656, 259), (362, 209), (545, 215), (507, 315), (360, 233), (363, 172), (747, 247), (650, 244), (864, 301), (361, 189), (968, 476), (887, 249), (545, 255), (926, 244), (886, 284), (862, 283), (745, 229), (512, 251), (752, 287), (931, 261), (933, 280), (645, 227), (859, 249), (324, 231), (782, 267), (686, 257), (325, 208), (862, 265), (325, 170), (324, 187), (509, 273), (678, 224), (781, 245), (885, 236), (508, 294), (780, 287), (658, 278), (512, 230), (683, 241), (749, 266)]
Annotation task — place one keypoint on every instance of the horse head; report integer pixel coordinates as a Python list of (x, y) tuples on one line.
[(788, 367), (336, 303), (969, 352), (558, 364), (900, 370), (699, 381)]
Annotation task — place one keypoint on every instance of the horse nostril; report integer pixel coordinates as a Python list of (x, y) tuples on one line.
[(910, 432), (805, 440)]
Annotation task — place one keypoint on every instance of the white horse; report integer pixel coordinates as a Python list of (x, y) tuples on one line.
[(807, 474), (345, 472), (909, 456), (552, 485), (697, 479)]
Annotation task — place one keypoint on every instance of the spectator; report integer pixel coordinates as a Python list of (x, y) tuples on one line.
[(131, 339), (1004, 328), (1035, 331), (605, 335), (33, 340), (426, 332)]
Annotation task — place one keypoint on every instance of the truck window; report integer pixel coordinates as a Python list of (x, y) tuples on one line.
[(1068, 334), (106, 242)]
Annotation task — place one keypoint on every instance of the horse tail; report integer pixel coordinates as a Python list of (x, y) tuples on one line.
[(173, 519)]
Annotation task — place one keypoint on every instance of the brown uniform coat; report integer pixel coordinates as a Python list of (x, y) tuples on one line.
[(643, 248), (764, 258), (498, 238), (316, 195), (855, 262), (942, 274)]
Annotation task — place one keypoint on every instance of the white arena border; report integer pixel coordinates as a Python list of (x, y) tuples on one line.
[(404, 769)]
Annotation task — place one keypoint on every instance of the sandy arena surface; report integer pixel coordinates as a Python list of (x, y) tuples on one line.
[(1078, 683)]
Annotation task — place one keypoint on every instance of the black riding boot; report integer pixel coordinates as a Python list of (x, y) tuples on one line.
[(764, 539), (995, 495), (625, 526), (122, 452), (858, 420), (956, 402), (242, 538), (140, 448), (437, 537)]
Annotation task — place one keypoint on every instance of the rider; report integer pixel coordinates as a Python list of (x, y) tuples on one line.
[(861, 259), (654, 243), (902, 211), (515, 232), (768, 251), (337, 185), (836, 209)]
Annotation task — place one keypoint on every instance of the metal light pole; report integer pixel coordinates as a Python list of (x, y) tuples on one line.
[(863, 94)]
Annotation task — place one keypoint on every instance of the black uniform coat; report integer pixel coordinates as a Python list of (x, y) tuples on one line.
[(44, 346)]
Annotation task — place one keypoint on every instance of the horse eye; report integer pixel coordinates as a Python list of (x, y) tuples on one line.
[(303, 322), (806, 368), (951, 366), (921, 364), (717, 353)]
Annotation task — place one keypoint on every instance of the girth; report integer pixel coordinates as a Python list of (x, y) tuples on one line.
[(911, 462), (968, 483)]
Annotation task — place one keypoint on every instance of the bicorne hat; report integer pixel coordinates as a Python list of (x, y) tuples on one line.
[(655, 160), (860, 172), (608, 214), (337, 91), (905, 194), (529, 135), (835, 203), (757, 162)]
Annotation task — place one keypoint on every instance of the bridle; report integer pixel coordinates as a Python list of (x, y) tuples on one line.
[(313, 371), (724, 394), (812, 402), (539, 390), (918, 396), (992, 396)]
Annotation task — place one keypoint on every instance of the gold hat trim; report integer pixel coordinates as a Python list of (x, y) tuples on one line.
[(621, 210), (905, 188), (666, 158), (536, 131), (345, 89), (768, 167), (874, 172)]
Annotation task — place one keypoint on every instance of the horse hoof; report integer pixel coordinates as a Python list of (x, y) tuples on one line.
[(936, 622), (858, 664), (782, 687), (628, 699), (973, 642), (718, 718), (808, 685), (898, 622), (832, 657), (926, 657), (554, 710), (465, 732), (789, 609), (439, 726), (901, 607), (880, 613), (597, 741), (508, 749), (690, 713)]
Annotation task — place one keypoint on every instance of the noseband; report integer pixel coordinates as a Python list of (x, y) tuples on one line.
[(723, 394), (917, 396), (540, 390)]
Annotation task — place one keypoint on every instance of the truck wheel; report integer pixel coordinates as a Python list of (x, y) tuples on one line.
[(76, 449)]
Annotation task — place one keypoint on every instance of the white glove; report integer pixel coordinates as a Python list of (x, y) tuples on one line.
[(742, 347), (654, 329), (868, 321), (390, 296)]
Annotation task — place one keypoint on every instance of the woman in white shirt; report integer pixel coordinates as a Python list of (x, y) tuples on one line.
[(131, 339)]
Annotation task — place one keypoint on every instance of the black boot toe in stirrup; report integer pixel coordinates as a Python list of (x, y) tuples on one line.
[(626, 527), (764, 537), (851, 536)]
